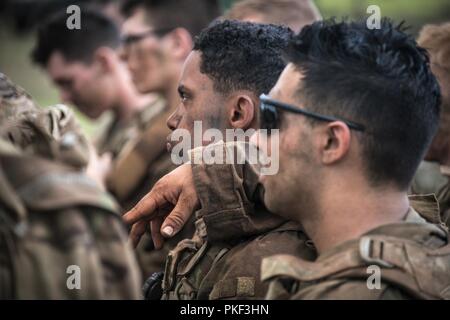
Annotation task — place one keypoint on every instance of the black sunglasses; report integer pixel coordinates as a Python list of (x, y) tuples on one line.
[(130, 39), (270, 118)]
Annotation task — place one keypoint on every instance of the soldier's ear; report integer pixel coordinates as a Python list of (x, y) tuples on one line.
[(334, 142), (180, 43), (105, 58), (242, 112)]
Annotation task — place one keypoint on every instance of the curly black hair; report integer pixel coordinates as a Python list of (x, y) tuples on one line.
[(242, 55), (380, 78)]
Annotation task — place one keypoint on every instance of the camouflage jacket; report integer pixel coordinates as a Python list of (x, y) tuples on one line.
[(412, 258), (234, 232), (53, 131), (54, 219)]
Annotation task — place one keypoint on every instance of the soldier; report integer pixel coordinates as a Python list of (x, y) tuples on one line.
[(157, 37), (155, 50), (347, 158), (93, 77), (292, 13), (85, 67), (436, 39), (60, 234), (223, 259), (215, 92)]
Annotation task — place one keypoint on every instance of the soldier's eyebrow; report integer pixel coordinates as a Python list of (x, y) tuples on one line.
[(182, 90)]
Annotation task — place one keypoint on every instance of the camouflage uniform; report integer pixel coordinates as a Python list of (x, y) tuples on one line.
[(233, 235), (413, 257), (52, 215)]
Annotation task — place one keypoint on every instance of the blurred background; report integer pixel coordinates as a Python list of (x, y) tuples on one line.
[(18, 20)]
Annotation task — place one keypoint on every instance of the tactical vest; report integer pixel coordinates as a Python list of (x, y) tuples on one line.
[(189, 267), (60, 235), (186, 265), (418, 267)]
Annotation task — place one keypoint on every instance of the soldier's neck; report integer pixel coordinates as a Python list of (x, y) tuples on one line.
[(347, 212)]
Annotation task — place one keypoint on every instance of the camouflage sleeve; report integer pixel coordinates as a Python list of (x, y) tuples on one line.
[(232, 184), (228, 188)]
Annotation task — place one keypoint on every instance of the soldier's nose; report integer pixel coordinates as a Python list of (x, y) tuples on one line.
[(172, 121)]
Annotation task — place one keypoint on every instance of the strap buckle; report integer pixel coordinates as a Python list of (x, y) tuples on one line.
[(371, 251)]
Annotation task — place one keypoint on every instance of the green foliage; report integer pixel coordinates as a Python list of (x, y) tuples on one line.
[(415, 13)]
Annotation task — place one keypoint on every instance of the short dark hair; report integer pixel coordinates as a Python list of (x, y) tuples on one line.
[(240, 55), (97, 30), (380, 78), (193, 15)]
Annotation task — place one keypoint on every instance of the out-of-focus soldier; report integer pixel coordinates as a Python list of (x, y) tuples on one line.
[(157, 37), (220, 86), (61, 236), (88, 73)]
